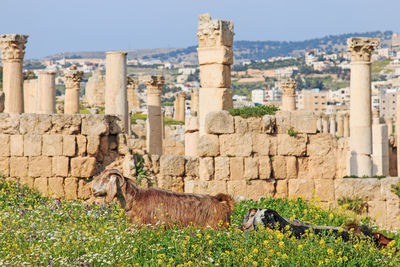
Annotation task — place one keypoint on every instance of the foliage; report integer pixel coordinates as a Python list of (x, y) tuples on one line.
[(355, 204), (258, 111), (36, 230), (292, 132), (141, 173), (167, 121), (396, 189)]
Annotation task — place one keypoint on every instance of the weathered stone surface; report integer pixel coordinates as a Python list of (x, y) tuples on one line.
[(39, 166), (123, 148), (268, 124), (32, 145), (303, 121), (5, 145), (264, 164), (52, 145), (211, 55), (291, 145), (393, 213), (291, 167), (301, 188), (16, 145), (40, 184), (172, 165), (84, 189), (367, 188), (26, 180), (237, 188), (344, 188), (216, 187), (66, 124), (250, 168), (70, 188), (260, 188), (60, 166), (386, 188), (264, 144), (4, 166), (177, 184), (56, 187), (192, 166), (325, 189), (93, 144), (69, 145), (215, 76), (235, 145), (282, 121), (317, 167), (196, 186), (95, 125), (319, 144), (9, 123), (282, 190), (377, 211), (18, 166), (240, 125), (279, 168), (104, 144), (237, 168), (255, 125), (81, 144), (219, 122), (33, 124), (222, 168), (116, 124), (206, 169), (83, 166), (208, 146)]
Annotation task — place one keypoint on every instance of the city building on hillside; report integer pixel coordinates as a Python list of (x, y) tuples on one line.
[(258, 96), (341, 95), (388, 104), (267, 95), (314, 100)]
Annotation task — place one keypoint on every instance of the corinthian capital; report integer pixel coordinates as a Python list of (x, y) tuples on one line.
[(13, 46), (73, 77), (154, 84), (361, 48), (214, 32), (289, 87), (132, 83)]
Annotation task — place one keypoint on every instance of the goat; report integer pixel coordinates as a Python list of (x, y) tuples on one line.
[(152, 206)]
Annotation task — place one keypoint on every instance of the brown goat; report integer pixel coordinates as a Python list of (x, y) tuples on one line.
[(152, 206)]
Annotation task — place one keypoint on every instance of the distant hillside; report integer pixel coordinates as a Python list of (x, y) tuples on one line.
[(245, 50)]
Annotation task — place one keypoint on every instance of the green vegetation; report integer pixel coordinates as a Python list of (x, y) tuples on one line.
[(269, 65), (396, 189), (292, 132), (355, 204), (38, 231), (258, 111), (167, 121)]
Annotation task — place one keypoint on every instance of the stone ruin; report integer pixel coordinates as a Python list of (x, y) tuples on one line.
[(95, 88)]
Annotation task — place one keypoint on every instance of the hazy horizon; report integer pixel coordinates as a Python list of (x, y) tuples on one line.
[(99, 25)]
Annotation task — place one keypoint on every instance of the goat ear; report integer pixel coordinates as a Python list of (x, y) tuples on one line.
[(111, 188)]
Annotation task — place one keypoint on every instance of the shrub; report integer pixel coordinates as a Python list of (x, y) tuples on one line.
[(292, 132), (258, 111), (355, 204)]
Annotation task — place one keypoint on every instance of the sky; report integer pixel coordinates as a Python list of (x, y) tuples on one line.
[(56, 26)]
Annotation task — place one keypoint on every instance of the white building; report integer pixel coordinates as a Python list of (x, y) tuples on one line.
[(258, 96)]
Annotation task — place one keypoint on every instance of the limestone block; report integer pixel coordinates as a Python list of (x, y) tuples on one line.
[(268, 124), (377, 211), (52, 145), (93, 144), (235, 145), (393, 213), (344, 188), (250, 168), (215, 76), (39, 166), (60, 166), (264, 144), (264, 164), (35, 124), (208, 145), (222, 168), (260, 188), (83, 166), (172, 165), (386, 188), (206, 169), (218, 55), (216, 187), (325, 189), (317, 167), (219, 122), (279, 168), (67, 124), (237, 168), (164, 181), (81, 143), (40, 184), (95, 125), (368, 188), (255, 125), (237, 188), (240, 125), (69, 145), (5, 145), (70, 188), (281, 189), (283, 122), (301, 188), (18, 166), (177, 184), (292, 145), (56, 187), (291, 167), (123, 148), (303, 121), (17, 145), (4, 166), (319, 144), (116, 124), (84, 189), (192, 166), (9, 123), (26, 180), (32, 145), (195, 186)]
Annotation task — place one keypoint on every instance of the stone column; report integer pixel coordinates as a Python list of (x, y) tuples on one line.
[(215, 59), (389, 123), (116, 102), (332, 124), (194, 102), (30, 89), (360, 105), (192, 125), (325, 124), (289, 95), (346, 125), (132, 93), (380, 146), (46, 93), (340, 125), (13, 50), (72, 79), (180, 110), (154, 116)]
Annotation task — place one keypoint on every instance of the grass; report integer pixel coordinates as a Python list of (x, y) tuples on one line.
[(167, 121), (396, 189), (35, 230), (258, 111), (355, 204)]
